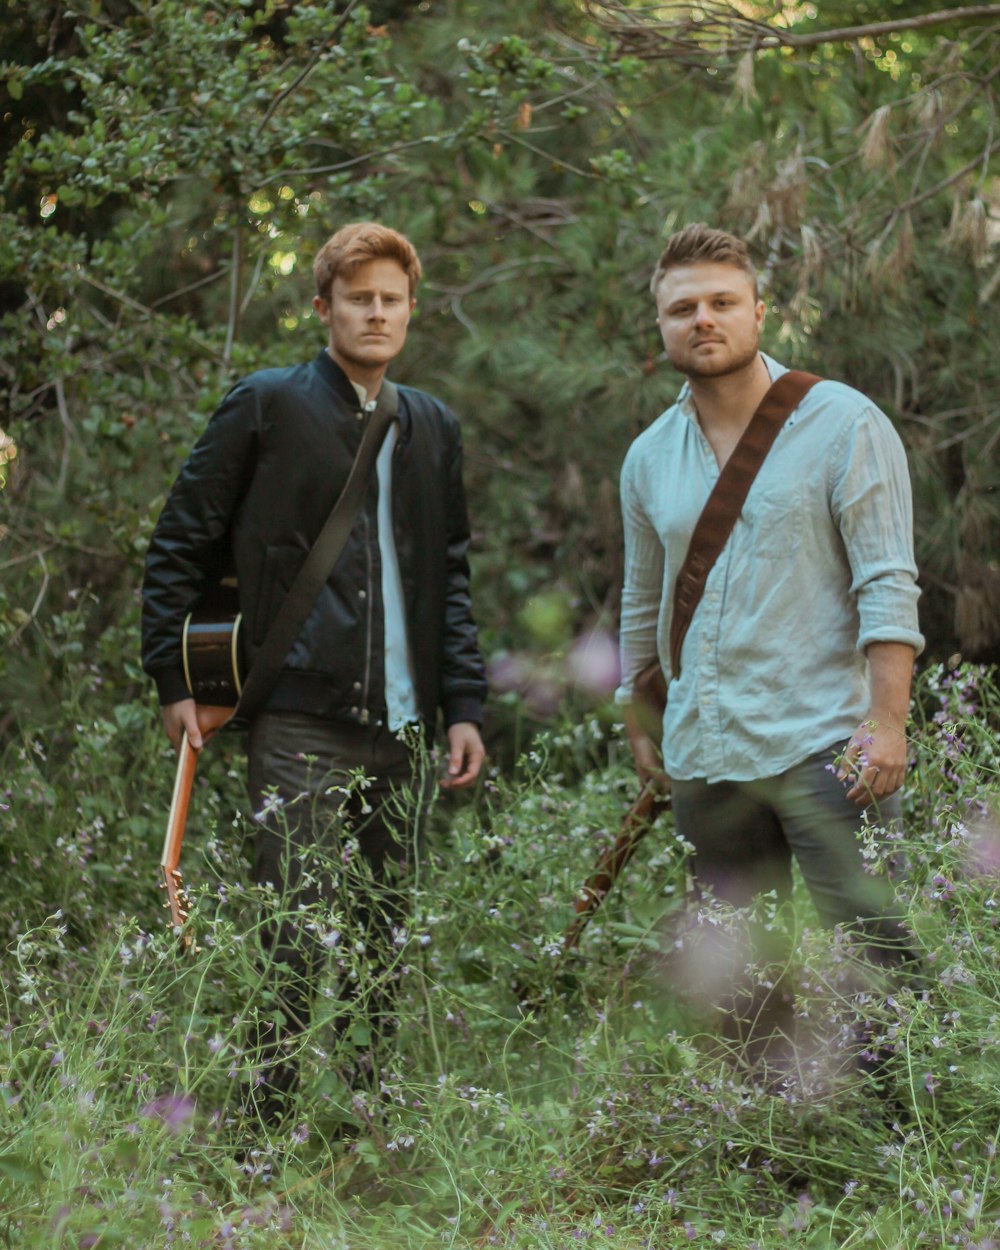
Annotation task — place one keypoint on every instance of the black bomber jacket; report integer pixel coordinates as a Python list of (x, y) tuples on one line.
[(253, 495)]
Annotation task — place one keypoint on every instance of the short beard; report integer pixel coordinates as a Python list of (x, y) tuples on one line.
[(691, 369)]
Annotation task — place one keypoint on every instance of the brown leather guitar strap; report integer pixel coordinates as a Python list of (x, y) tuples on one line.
[(711, 531), (723, 505)]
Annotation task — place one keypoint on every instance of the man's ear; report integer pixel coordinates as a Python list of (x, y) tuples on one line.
[(322, 308)]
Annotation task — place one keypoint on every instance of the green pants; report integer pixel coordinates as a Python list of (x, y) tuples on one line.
[(745, 833), (743, 836)]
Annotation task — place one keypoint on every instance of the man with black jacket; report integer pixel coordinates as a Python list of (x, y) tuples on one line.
[(389, 643)]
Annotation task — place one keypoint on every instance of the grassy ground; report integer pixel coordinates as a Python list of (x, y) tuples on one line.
[(527, 1099)]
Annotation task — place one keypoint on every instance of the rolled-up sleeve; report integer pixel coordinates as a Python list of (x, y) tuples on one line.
[(872, 506)]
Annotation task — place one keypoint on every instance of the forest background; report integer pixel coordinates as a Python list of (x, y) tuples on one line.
[(169, 169)]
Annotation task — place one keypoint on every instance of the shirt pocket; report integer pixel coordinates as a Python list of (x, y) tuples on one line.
[(775, 516)]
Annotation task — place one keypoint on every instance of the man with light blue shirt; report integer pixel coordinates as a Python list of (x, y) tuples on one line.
[(388, 647), (788, 716)]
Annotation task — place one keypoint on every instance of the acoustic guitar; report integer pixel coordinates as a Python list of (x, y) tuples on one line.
[(214, 672), (211, 647)]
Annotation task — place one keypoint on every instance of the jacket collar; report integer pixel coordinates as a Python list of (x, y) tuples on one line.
[(343, 387), (336, 378)]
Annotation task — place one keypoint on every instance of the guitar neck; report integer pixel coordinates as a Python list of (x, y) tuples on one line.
[(210, 718), (187, 760)]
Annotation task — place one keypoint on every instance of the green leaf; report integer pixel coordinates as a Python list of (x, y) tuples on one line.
[(20, 1168)]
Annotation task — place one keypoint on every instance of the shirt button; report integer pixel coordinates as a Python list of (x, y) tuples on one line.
[(362, 594), (357, 685), (354, 711)]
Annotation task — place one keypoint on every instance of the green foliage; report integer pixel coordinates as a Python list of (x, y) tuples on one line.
[(168, 172)]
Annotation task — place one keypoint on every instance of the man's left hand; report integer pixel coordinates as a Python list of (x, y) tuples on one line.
[(875, 760), (465, 756)]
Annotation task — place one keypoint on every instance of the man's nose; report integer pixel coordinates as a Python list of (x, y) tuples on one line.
[(703, 313), (376, 309)]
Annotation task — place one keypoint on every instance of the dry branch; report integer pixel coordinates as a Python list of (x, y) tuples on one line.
[(714, 29)]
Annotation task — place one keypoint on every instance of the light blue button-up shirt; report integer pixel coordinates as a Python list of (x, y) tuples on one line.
[(400, 691), (819, 565)]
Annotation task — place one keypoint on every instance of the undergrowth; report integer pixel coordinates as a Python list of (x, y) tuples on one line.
[(527, 1098)]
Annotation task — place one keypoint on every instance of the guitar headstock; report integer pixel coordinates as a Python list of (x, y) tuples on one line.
[(179, 906)]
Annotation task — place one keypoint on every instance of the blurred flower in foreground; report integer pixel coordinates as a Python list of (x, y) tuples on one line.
[(709, 959), (172, 1110), (593, 663), (982, 848), (543, 681)]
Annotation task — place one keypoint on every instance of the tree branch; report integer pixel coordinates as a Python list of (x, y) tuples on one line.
[(718, 28), (308, 68), (969, 13), (945, 183), (235, 293)]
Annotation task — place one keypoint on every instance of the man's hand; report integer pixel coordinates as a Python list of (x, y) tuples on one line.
[(876, 754), (645, 752), (875, 759), (199, 720), (465, 755), (180, 717)]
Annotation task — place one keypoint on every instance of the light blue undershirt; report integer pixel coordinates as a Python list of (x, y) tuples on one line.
[(818, 565), (400, 690)]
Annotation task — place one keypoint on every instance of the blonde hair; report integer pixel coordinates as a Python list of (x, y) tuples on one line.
[(700, 244), (357, 243)]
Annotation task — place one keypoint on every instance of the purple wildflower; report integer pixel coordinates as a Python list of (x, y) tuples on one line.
[(172, 1110)]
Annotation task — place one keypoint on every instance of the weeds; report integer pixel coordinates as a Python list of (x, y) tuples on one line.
[(526, 1099)]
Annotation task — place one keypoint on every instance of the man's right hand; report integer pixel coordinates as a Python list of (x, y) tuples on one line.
[(648, 764), (645, 752), (181, 717)]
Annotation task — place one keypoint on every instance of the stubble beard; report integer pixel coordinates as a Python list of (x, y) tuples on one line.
[(687, 363)]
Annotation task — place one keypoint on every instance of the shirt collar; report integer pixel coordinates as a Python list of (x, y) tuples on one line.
[(361, 390)]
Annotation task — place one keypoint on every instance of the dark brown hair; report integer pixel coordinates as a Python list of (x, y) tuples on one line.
[(357, 243)]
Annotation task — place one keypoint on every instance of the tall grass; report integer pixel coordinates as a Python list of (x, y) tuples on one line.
[(526, 1099)]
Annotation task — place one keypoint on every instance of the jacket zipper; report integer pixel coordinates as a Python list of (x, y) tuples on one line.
[(369, 599), (363, 715)]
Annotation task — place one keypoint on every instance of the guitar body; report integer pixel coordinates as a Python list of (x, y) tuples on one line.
[(211, 648)]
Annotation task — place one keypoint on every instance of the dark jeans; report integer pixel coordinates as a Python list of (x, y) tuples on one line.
[(744, 835), (322, 838)]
